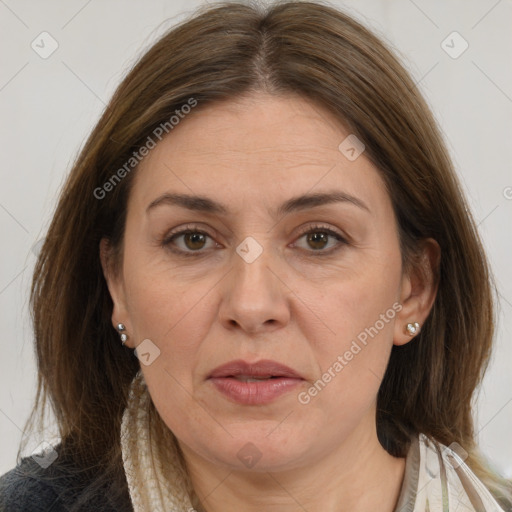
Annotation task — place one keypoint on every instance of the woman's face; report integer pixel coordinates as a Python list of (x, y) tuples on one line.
[(248, 283)]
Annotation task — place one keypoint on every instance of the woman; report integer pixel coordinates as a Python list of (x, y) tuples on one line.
[(262, 288)]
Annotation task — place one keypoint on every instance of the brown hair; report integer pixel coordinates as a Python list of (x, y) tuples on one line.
[(222, 52)]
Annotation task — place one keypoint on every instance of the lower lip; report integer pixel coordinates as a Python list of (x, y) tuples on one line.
[(253, 393)]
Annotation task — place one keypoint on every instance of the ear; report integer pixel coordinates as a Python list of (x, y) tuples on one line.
[(418, 290), (115, 285)]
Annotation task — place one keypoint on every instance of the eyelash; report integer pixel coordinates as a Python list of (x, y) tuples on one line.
[(190, 229)]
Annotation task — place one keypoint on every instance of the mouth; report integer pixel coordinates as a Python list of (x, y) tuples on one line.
[(254, 384), (261, 370)]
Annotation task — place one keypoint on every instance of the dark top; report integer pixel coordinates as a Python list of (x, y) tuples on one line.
[(31, 488)]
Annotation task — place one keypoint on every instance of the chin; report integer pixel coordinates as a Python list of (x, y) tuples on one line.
[(256, 452)]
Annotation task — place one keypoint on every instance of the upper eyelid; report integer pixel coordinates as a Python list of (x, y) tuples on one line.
[(319, 227), (192, 228), (206, 231)]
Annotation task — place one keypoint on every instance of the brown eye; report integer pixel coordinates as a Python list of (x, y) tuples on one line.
[(317, 239), (187, 242), (194, 240)]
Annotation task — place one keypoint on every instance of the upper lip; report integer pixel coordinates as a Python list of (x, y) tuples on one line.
[(263, 368)]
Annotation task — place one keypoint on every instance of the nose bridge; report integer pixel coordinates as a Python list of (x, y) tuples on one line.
[(254, 297), (252, 262)]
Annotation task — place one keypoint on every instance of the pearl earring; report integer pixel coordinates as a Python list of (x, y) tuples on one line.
[(412, 329), (123, 336)]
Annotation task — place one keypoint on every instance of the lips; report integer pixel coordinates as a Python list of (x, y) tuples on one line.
[(263, 369), (254, 384)]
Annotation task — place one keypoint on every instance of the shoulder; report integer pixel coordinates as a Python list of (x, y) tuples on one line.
[(25, 489), (446, 476), (60, 487)]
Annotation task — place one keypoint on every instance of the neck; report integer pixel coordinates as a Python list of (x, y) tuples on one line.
[(356, 475)]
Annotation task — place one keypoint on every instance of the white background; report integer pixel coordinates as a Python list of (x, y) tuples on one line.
[(48, 107)]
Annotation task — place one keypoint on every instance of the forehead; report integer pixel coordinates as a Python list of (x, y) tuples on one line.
[(256, 150)]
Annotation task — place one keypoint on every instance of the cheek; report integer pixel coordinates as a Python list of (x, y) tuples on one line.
[(353, 352), (173, 315), (176, 321), (351, 365), (361, 307), (161, 297)]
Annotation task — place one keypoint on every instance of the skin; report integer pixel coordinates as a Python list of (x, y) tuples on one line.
[(290, 304)]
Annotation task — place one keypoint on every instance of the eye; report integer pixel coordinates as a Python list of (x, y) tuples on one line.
[(318, 237), (192, 241)]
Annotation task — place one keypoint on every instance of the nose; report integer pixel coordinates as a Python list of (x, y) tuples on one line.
[(254, 295)]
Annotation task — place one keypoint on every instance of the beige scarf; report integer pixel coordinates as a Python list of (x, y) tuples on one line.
[(157, 479), (436, 478)]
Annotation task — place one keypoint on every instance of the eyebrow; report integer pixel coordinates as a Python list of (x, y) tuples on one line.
[(298, 203)]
